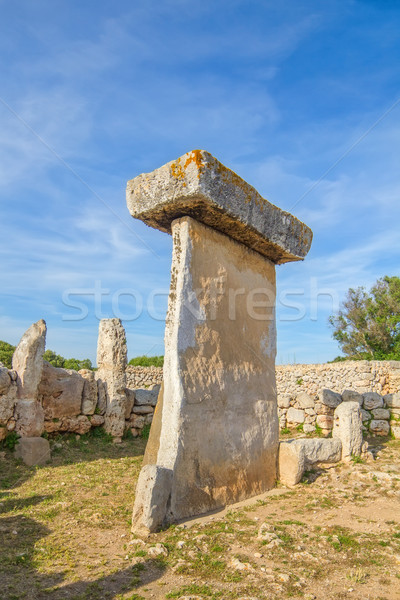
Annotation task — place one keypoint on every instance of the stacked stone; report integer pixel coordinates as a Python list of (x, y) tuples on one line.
[(362, 376), (8, 396), (70, 400), (142, 413), (380, 414), (143, 377)]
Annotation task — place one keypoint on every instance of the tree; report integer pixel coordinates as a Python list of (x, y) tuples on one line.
[(367, 325), (6, 353), (67, 363)]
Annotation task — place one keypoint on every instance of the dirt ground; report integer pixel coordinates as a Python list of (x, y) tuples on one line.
[(65, 533)]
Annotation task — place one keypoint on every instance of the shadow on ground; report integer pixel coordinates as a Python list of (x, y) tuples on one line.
[(21, 579)]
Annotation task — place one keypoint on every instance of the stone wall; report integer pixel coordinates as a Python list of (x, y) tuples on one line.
[(143, 377), (73, 402), (363, 376)]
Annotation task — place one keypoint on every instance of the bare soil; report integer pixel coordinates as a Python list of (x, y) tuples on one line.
[(65, 533)]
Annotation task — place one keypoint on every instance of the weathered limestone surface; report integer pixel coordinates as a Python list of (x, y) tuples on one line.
[(291, 463), (151, 498), (347, 427), (33, 451), (89, 395), (199, 186), (296, 455), (28, 360), (111, 362), (60, 392), (218, 429), (8, 395), (29, 418)]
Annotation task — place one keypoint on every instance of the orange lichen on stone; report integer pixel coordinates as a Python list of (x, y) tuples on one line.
[(195, 156), (177, 171)]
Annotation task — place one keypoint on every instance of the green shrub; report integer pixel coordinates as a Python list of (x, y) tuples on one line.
[(11, 440), (6, 353), (147, 361), (75, 364), (145, 432)]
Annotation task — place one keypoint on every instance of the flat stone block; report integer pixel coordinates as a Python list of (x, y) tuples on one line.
[(33, 451), (199, 186)]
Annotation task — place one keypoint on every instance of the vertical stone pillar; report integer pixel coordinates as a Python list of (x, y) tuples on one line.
[(111, 363), (214, 438), (28, 362)]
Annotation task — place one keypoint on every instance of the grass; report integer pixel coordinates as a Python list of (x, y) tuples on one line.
[(66, 532)]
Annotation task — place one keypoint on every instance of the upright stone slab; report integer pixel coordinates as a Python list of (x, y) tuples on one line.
[(28, 362), (214, 438), (111, 362), (347, 427)]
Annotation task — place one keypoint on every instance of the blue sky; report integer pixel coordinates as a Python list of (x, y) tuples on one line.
[(299, 98)]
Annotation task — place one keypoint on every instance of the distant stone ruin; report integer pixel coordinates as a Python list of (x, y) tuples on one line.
[(214, 439)]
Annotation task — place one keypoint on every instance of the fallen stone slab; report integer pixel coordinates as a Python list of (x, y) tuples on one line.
[(199, 186), (296, 455), (33, 451), (318, 450)]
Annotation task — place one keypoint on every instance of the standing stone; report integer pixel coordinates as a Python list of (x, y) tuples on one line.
[(347, 427), (214, 438), (111, 362), (89, 395), (291, 463), (28, 360)]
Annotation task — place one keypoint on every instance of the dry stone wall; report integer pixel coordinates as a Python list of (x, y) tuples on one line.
[(75, 402), (362, 376), (143, 377)]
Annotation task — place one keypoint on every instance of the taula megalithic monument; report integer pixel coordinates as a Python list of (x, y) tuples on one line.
[(214, 437)]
